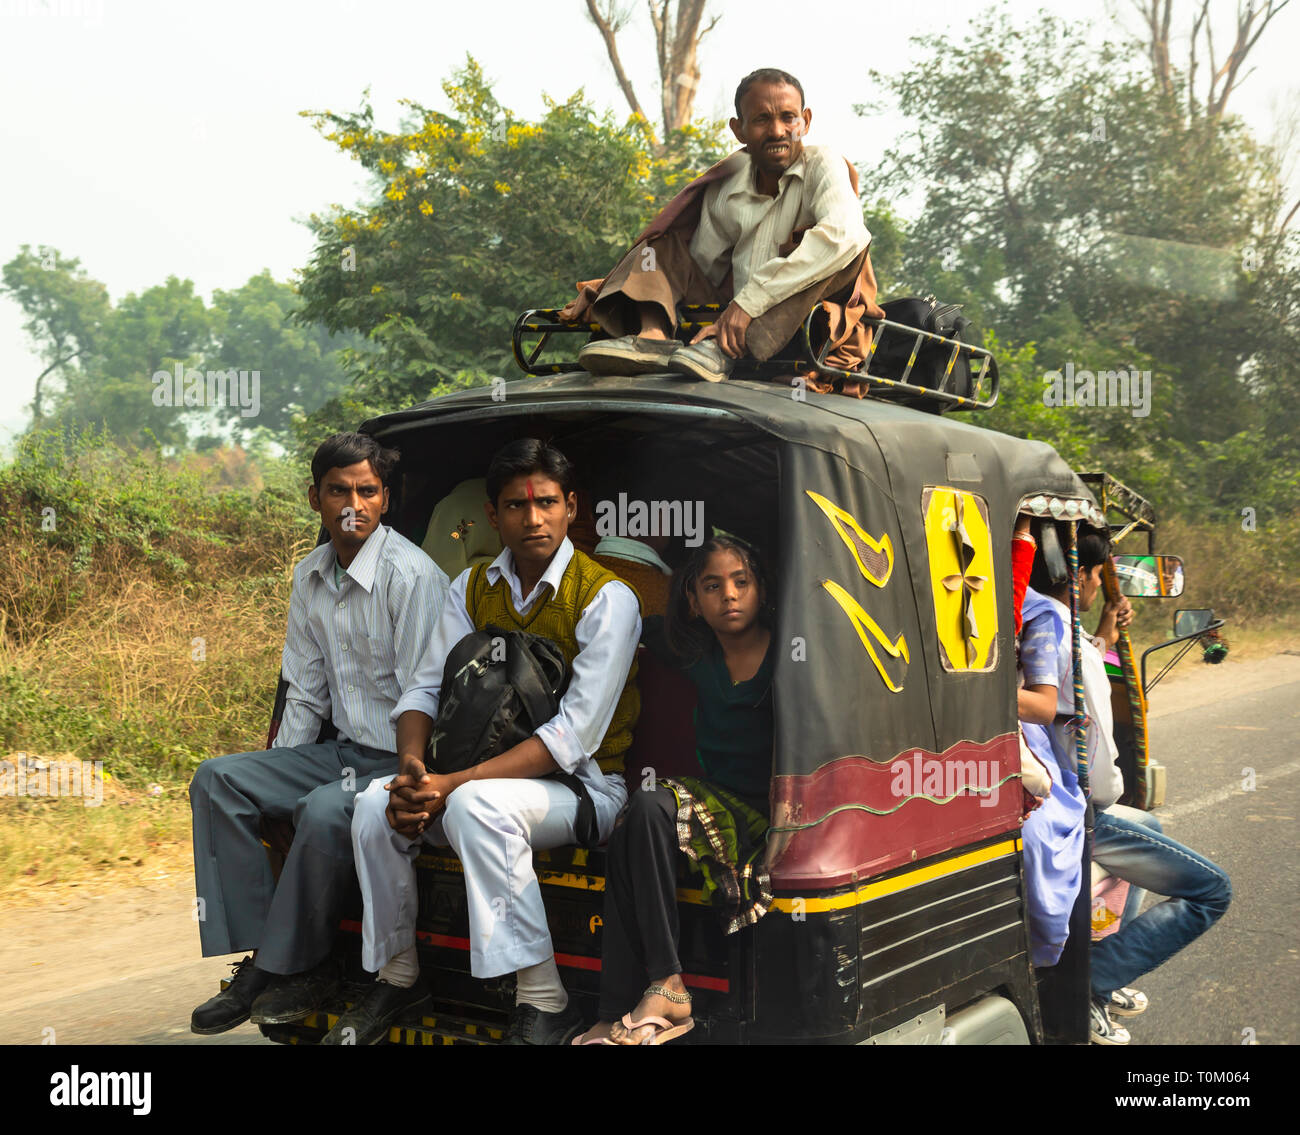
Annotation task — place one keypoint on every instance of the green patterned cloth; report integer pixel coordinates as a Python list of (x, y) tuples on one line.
[(725, 839)]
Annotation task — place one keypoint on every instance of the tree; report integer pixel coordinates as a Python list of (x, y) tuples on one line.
[(677, 44), (475, 216), (1224, 74), (298, 364), (159, 329), (1074, 210), (104, 359), (64, 312)]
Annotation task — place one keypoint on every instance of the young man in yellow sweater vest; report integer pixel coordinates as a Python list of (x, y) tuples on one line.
[(497, 813)]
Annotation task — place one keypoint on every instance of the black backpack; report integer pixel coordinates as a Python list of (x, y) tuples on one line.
[(895, 348), (498, 686)]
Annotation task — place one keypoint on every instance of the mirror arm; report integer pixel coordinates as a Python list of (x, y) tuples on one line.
[(1189, 639)]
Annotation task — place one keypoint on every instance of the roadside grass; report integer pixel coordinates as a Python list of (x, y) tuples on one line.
[(51, 846), (1249, 578), (142, 613)]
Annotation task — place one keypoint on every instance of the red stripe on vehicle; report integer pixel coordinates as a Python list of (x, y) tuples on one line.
[(573, 961)]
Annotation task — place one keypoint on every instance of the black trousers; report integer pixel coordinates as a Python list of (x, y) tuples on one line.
[(641, 929)]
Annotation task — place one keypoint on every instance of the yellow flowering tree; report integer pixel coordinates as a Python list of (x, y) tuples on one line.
[(475, 215)]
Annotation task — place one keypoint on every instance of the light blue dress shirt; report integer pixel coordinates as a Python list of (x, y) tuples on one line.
[(353, 647)]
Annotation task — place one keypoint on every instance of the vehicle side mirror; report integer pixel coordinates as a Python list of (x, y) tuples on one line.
[(1191, 621), (1149, 576)]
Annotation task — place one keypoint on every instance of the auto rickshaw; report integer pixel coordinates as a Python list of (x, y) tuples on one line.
[(898, 912)]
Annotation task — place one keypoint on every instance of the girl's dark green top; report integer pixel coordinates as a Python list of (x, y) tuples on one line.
[(733, 721)]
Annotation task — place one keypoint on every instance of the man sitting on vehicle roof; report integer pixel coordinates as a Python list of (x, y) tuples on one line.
[(496, 813), (769, 232), (361, 617)]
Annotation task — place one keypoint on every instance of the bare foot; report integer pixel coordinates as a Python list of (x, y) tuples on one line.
[(652, 1005), (598, 1032)]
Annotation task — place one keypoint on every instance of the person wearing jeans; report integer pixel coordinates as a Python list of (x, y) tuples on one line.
[(1198, 895), (1133, 904)]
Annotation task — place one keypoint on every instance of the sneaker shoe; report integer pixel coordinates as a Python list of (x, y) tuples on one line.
[(290, 997), (232, 1005), (530, 1025), (628, 354), (1127, 1003), (704, 360), (1103, 1029), (383, 1006)]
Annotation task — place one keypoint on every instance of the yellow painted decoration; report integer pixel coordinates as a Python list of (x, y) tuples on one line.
[(864, 623), (961, 577), (841, 519)]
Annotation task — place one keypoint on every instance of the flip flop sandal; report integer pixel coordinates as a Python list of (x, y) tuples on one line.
[(665, 1030), (577, 1040)]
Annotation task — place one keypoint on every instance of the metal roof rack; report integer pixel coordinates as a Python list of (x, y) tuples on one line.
[(542, 323), (1135, 509)]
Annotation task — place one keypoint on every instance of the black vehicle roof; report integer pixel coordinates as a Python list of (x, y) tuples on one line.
[(847, 427)]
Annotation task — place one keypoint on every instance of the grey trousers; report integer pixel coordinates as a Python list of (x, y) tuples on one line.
[(292, 924)]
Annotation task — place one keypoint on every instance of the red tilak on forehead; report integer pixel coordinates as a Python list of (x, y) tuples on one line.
[(530, 489)]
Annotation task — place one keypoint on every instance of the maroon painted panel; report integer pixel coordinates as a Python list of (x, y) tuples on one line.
[(853, 844)]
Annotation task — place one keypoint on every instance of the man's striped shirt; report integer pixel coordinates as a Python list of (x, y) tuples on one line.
[(351, 649)]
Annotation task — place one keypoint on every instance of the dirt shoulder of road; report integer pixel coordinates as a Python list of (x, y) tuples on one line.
[(45, 948), (1192, 684)]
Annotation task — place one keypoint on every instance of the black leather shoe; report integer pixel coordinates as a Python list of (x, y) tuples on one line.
[(530, 1025), (232, 1005), (382, 1007), (293, 996)]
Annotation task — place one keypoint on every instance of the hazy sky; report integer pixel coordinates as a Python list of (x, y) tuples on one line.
[(153, 139)]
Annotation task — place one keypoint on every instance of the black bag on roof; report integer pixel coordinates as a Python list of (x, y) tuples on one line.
[(895, 347)]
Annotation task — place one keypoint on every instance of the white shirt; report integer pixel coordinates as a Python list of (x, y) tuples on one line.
[(353, 647), (741, 229), (1104, 773), (1105, 777), (607, 632)]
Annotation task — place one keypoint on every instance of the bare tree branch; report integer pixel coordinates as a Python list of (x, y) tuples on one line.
[(1252, 17), (1201, 17), (677, 29), (37, 413), (609, 24), (1156, 16), (682, 77), (1247, 15)]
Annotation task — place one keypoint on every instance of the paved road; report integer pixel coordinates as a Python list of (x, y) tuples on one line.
[(122, 967), (1244, 974)]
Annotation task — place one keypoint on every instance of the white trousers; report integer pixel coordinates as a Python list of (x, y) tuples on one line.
[(493, 826)]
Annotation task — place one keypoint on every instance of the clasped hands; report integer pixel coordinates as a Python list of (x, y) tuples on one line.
[(415, 796)]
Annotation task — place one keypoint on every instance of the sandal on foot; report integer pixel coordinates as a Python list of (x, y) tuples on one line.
[(665, 1030)]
